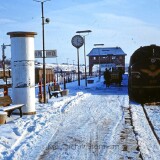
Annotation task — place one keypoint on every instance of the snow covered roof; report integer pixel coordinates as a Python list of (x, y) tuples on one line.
[(41, 66), (106, 51)]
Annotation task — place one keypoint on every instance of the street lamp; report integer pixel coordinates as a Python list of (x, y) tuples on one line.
[(44, 21), (67, 71), (73, 71), (100, 44), (3, 60), (85, 31), (57, 68)]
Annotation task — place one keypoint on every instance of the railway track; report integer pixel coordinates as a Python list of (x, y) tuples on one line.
[(128, 136), (151, 123)]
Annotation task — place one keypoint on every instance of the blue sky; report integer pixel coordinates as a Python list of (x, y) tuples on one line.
[(128, 24)]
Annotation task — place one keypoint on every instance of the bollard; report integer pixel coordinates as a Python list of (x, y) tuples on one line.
[(54, 81), (40, 94), (40, 87), (64, 83), (5, 90)]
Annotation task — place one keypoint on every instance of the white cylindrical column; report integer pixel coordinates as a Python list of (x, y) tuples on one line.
[(23, 70)]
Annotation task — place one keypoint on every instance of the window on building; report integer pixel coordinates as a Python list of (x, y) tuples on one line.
[(120, 57), (113, 57)]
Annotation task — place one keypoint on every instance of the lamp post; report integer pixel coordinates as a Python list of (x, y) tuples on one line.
[(3, 60), (85, 31), (73, 72), (44, 21), (57, 68), (67, 71), (100, 44)]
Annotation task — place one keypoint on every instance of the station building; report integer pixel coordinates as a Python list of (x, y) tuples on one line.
[(106, 57)]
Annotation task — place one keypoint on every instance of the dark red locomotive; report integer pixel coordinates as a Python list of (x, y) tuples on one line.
[(144, 74)]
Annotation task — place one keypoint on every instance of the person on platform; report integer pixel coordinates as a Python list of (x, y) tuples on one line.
[(107, 77), (120, 73)]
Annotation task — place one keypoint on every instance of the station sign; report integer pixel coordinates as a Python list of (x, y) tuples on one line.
[(48, 53), (108, 65)]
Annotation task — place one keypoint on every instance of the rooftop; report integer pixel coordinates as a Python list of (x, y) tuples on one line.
[(106, 51)]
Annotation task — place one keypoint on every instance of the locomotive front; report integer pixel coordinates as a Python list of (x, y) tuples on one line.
[(144, 74)]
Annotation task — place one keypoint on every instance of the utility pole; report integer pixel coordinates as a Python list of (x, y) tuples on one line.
[(44, 21)]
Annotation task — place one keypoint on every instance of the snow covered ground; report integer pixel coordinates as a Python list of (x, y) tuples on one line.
[(85, 125)]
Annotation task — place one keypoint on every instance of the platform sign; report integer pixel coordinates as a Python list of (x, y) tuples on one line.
[(108, 65), (48, 53)]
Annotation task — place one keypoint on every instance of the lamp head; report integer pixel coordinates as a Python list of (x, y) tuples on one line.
[(85, 31), (47, 20)]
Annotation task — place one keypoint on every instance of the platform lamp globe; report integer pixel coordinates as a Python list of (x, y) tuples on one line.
[(77, 41)]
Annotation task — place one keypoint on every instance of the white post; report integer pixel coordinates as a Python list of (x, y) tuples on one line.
[(23, 70)]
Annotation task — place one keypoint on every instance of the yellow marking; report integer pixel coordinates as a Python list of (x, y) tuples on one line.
[(151, 73)]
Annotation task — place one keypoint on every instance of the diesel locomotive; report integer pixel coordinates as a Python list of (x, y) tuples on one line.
[(144, 74)]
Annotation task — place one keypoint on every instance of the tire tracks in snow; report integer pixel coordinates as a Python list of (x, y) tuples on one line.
[(62, 110), (89, 130), (32, 129)]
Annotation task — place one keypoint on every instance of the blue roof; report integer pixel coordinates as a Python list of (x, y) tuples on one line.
[(106, 51)]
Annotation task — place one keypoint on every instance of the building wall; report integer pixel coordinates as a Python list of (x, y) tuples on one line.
[(117, 60), (7, 74), (50, 76)]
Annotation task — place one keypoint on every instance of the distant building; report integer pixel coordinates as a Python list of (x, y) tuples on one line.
[(106, 57), (50, 75)]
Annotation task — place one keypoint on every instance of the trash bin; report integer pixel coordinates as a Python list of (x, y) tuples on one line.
[(3, 117), (65, 92), (90, 81)]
